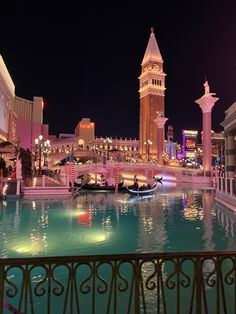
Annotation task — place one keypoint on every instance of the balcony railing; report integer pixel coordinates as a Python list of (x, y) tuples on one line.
[(203, 282), (226, 185)]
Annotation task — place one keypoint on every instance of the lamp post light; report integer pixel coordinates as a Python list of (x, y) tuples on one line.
[(148, 144), (125, 149), (38, 144), (108, 141), (195, 159), (94, 149), (42, 147), (46, 151)]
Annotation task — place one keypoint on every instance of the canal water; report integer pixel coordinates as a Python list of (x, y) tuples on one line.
[(175, 219)]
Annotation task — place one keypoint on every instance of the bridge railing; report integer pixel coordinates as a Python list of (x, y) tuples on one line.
[(203, 282), (226, 185)]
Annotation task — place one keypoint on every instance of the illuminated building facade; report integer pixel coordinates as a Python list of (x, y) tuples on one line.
[(189, 143), (85, 131), (29, 123), (7, 116), (152, 96), (20, 119), (229, 125), (171, 150), (126, 148), (226, 182), (218, 148), (170, 134)]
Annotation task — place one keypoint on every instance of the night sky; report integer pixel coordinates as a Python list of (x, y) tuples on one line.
[(85, 61)]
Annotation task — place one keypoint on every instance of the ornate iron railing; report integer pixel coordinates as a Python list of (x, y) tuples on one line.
[(181, 283)]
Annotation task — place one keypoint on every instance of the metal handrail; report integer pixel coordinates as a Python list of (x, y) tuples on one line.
[(191, 282)]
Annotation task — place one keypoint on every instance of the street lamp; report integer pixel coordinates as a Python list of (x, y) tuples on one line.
[(46, 151), (108, 141), (195, 158), (94, 149), (42, 147), (125, 149), (38, 144), (148, 143)]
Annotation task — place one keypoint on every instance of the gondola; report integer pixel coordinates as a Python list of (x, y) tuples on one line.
[(98, 187), (145, 191)]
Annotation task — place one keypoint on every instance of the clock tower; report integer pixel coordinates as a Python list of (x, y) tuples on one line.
[(152, 96)]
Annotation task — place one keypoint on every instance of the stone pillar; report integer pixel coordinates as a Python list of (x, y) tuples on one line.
[(18, 175), (206, 103), (226, 149), (18, 168), (160, 121), (230, 165), (206, 138)]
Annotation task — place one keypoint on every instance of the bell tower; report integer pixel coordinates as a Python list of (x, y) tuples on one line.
[(152, 96)]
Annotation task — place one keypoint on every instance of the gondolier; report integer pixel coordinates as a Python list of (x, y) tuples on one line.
[(135, 182), (144, 191)]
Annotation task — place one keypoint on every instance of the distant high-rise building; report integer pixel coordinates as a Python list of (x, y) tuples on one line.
[(85, 131), (170, 134), (29, 123), (21, 120), (189, 143), (152, 97)]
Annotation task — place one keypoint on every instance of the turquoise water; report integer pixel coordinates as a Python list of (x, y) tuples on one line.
[(174, 219)]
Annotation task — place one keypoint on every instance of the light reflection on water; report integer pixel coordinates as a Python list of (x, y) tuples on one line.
[(173, 220)]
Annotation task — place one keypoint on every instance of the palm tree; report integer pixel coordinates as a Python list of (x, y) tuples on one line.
[(26, 161)]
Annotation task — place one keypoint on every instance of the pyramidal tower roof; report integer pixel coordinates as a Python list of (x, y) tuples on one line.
[(152, 52)]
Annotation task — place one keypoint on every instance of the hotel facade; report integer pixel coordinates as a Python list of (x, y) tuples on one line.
[(21, 120)]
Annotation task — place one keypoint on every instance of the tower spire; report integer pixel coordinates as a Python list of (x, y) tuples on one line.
[(152, 52)]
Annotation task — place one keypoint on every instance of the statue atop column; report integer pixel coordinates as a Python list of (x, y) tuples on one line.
[(206, 103), (207, 88)]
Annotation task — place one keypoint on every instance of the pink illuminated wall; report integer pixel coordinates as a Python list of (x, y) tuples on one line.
[(29, 121)]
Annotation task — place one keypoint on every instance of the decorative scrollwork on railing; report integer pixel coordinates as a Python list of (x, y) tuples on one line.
[(58, 290), (170, 280), (11, 288), (229, 276), (84, 286), (147, 283), (39, 290), (209, 267), (186, 275), (123, 284)]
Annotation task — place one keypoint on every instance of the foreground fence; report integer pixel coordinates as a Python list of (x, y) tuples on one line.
[(138, 283)]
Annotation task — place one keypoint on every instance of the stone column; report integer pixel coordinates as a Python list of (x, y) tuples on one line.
[(160, 121), (206, 103), (226, 149), (230, 165), (18, 175)]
